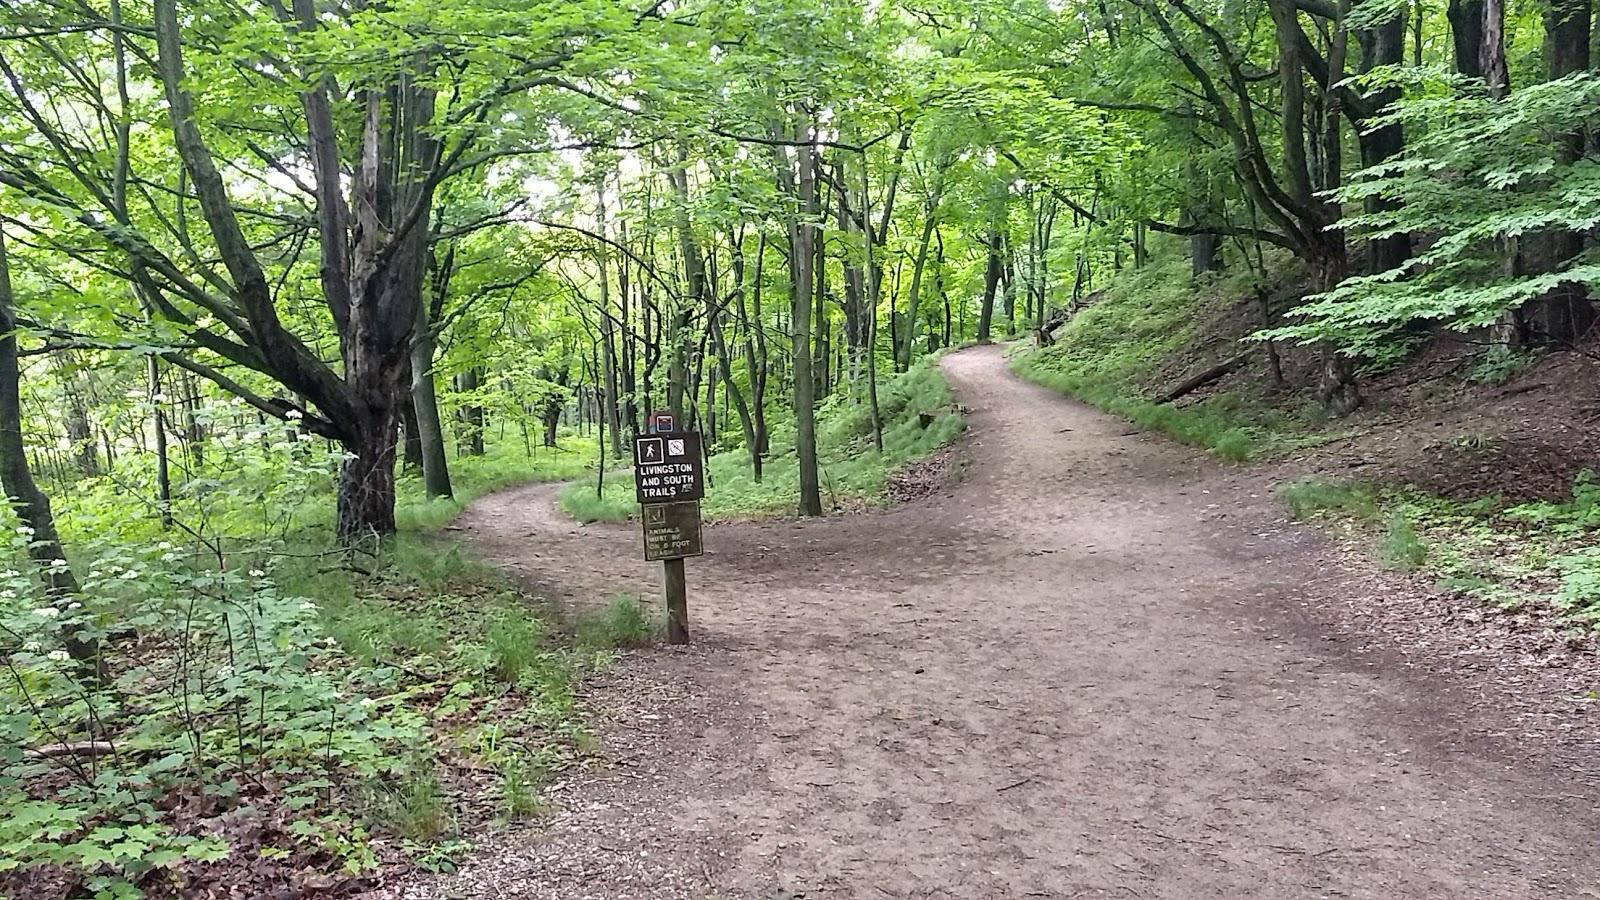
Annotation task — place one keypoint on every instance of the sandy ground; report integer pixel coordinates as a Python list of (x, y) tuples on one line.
[(1100, 666)]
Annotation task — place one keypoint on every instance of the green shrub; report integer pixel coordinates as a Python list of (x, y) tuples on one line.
[(1235, 444)]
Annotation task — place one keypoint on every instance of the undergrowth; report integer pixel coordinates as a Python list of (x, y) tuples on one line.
[(270, 703), (851, 469), (1537, 560)]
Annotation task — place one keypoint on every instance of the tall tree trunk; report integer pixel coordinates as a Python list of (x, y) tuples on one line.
[(855, 283), (908, 324), (159, 425), (411, 442), (611, 411), (1383, 45), (1466, 36), (755, 357), (470, 415), (803, 239), (1492, 52)]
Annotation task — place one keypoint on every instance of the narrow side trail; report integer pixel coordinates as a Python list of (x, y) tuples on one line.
[(1086, 671)]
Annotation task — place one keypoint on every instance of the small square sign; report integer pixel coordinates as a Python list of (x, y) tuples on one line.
[(674, 446), (647, 451)]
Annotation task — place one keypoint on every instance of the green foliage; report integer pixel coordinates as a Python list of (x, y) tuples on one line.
[(1535, 559), (1478, 175), (273, 665), (504, 465), (411, 803), (1578, 516), (1501, 363), (521, 781), (616, 503), (851, 469)]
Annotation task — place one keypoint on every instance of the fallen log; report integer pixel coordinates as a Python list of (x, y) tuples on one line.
[(76, 748), (1204, 378)]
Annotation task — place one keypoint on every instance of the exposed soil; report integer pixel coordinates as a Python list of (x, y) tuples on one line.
[(1425, 423), (1100, 666)]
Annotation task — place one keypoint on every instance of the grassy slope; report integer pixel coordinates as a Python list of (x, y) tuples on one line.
[(1108, 354), (852, 471)]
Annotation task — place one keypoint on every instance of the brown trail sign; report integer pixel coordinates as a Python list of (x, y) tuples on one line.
[(669, 478), (667, 467)]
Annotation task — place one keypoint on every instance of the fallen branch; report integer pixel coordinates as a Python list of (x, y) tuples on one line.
[(76, 748), (1204, 378)]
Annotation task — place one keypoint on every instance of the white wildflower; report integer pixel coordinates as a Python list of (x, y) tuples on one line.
[(257, 573), (57, 655), (164, 545), (47, 612), (368, 702), (294, 414), (129, 575), (58, 564), (308, 606), (74, 605), (31, 647)]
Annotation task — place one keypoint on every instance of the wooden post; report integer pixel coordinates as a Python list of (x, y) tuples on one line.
[(677, 602)]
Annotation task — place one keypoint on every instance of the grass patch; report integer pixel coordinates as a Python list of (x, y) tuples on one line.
[(1310, 496), (582, 501), (624, 622), (919, 417), (1402, 549)]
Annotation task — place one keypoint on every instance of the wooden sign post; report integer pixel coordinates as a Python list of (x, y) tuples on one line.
[(669, 477)]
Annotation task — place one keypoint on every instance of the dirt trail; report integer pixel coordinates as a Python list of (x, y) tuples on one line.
[(1086, 671)]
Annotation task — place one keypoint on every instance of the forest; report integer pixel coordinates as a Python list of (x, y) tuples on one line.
[(285, 285)]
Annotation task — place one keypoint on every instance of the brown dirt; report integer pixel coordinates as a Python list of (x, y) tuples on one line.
[(1101, 666)]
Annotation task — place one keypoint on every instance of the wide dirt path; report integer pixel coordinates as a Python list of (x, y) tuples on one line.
[(1088, 670)]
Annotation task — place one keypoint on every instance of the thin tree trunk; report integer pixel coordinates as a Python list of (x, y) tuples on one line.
[(30, 504), (424, 399)]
